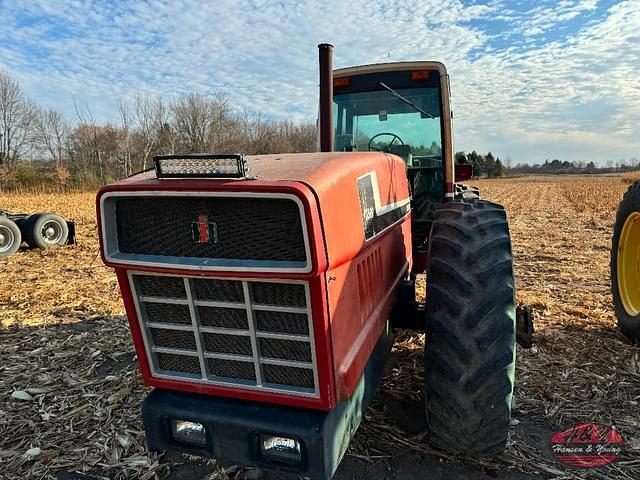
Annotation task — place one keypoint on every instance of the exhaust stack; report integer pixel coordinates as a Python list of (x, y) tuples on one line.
[(325, 56)]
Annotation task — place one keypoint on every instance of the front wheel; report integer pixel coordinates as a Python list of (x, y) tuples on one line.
[(625, 263), (45, 230), (470, 342), (10, 237)]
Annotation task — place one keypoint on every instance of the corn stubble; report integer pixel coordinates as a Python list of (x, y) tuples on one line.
[(70, 397)]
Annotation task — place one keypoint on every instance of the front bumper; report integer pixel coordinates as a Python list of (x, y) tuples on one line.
[(234, 427)]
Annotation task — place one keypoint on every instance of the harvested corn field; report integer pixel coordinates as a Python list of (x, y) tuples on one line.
[(70, 395)]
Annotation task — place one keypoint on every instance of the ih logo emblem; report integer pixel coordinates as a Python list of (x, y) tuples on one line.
[(204, 231)]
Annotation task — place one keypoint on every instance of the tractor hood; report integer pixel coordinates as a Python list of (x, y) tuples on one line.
[(358, 194)]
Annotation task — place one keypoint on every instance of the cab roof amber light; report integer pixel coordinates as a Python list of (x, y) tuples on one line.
[(420, 75), (341, 82)]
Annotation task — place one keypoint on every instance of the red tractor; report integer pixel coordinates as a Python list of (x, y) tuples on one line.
[(262, 291)]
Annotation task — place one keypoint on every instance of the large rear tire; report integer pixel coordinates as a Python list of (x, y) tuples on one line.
[(470, 343), (625, 263), (10, 237)]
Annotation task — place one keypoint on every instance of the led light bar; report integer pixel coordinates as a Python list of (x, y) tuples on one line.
[(200, 165)]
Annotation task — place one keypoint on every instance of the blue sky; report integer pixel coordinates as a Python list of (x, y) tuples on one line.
[(530, 79)]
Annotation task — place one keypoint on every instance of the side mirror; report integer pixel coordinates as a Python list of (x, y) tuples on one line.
[(463, 172)]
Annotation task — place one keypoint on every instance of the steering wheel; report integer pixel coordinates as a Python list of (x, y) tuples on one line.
[(387, 146)]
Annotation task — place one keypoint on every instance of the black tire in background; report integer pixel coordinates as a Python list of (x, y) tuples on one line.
[(628, 323), (10, 237), (45, 230), (471, 330), (466, 192)]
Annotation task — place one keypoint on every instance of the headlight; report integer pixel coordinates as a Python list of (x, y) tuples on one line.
[(283, 449), (193, 433)]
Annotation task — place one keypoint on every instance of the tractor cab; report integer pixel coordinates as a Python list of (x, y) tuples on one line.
[(399, 108)]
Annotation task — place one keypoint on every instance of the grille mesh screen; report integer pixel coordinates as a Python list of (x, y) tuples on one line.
[(278, 294), (300, 377), (231, 369), (214, 342), (167, 313), (155, 286), (223, 317), (281, 322), (178, 363), (173, 338), (285, 349), (218, 290), (191, 323), (258, 229)]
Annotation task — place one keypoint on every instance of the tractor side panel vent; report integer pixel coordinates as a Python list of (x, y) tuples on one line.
[(370, 282), (245, 333), (264, 232)]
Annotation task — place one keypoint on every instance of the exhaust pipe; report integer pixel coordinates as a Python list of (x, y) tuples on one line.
[(325, 57)]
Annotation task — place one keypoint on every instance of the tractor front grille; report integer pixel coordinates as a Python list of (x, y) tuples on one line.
[(206, 231), (250, 333)]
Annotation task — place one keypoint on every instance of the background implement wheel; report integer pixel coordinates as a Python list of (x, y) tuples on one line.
[(465, 192), (470, 342), (10, 237), (625, 263), (44, 230)]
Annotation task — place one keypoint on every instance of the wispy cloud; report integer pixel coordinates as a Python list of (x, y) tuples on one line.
[(545, 17), (560, 79)]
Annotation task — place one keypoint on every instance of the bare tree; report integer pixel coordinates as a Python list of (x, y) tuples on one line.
[(268, 136), (192, 118), (258, 136), (95, 153), (18, 117), (91, 137), (53, 134), (302, 136), (151, 117), (201, 123), (222, 134), (507, 162), (125, 137)]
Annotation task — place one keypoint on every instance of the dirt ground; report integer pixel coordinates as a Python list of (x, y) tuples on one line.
[(64, 342)]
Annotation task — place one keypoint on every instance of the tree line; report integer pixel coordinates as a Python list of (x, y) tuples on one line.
[(490, 166), (578, 167), (483, 165), (84, 152)]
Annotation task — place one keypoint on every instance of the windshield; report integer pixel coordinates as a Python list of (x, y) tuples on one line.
[(405, 122), (378, 120)]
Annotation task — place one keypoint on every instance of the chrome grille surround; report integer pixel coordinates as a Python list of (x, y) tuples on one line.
[(113, 255), (229, 355)]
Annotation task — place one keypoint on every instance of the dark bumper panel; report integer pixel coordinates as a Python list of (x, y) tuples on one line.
[(233, 427)]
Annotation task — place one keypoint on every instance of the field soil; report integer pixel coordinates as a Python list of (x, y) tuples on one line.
[(70, 394)]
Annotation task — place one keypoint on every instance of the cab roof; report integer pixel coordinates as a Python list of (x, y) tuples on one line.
[(390, 67)]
